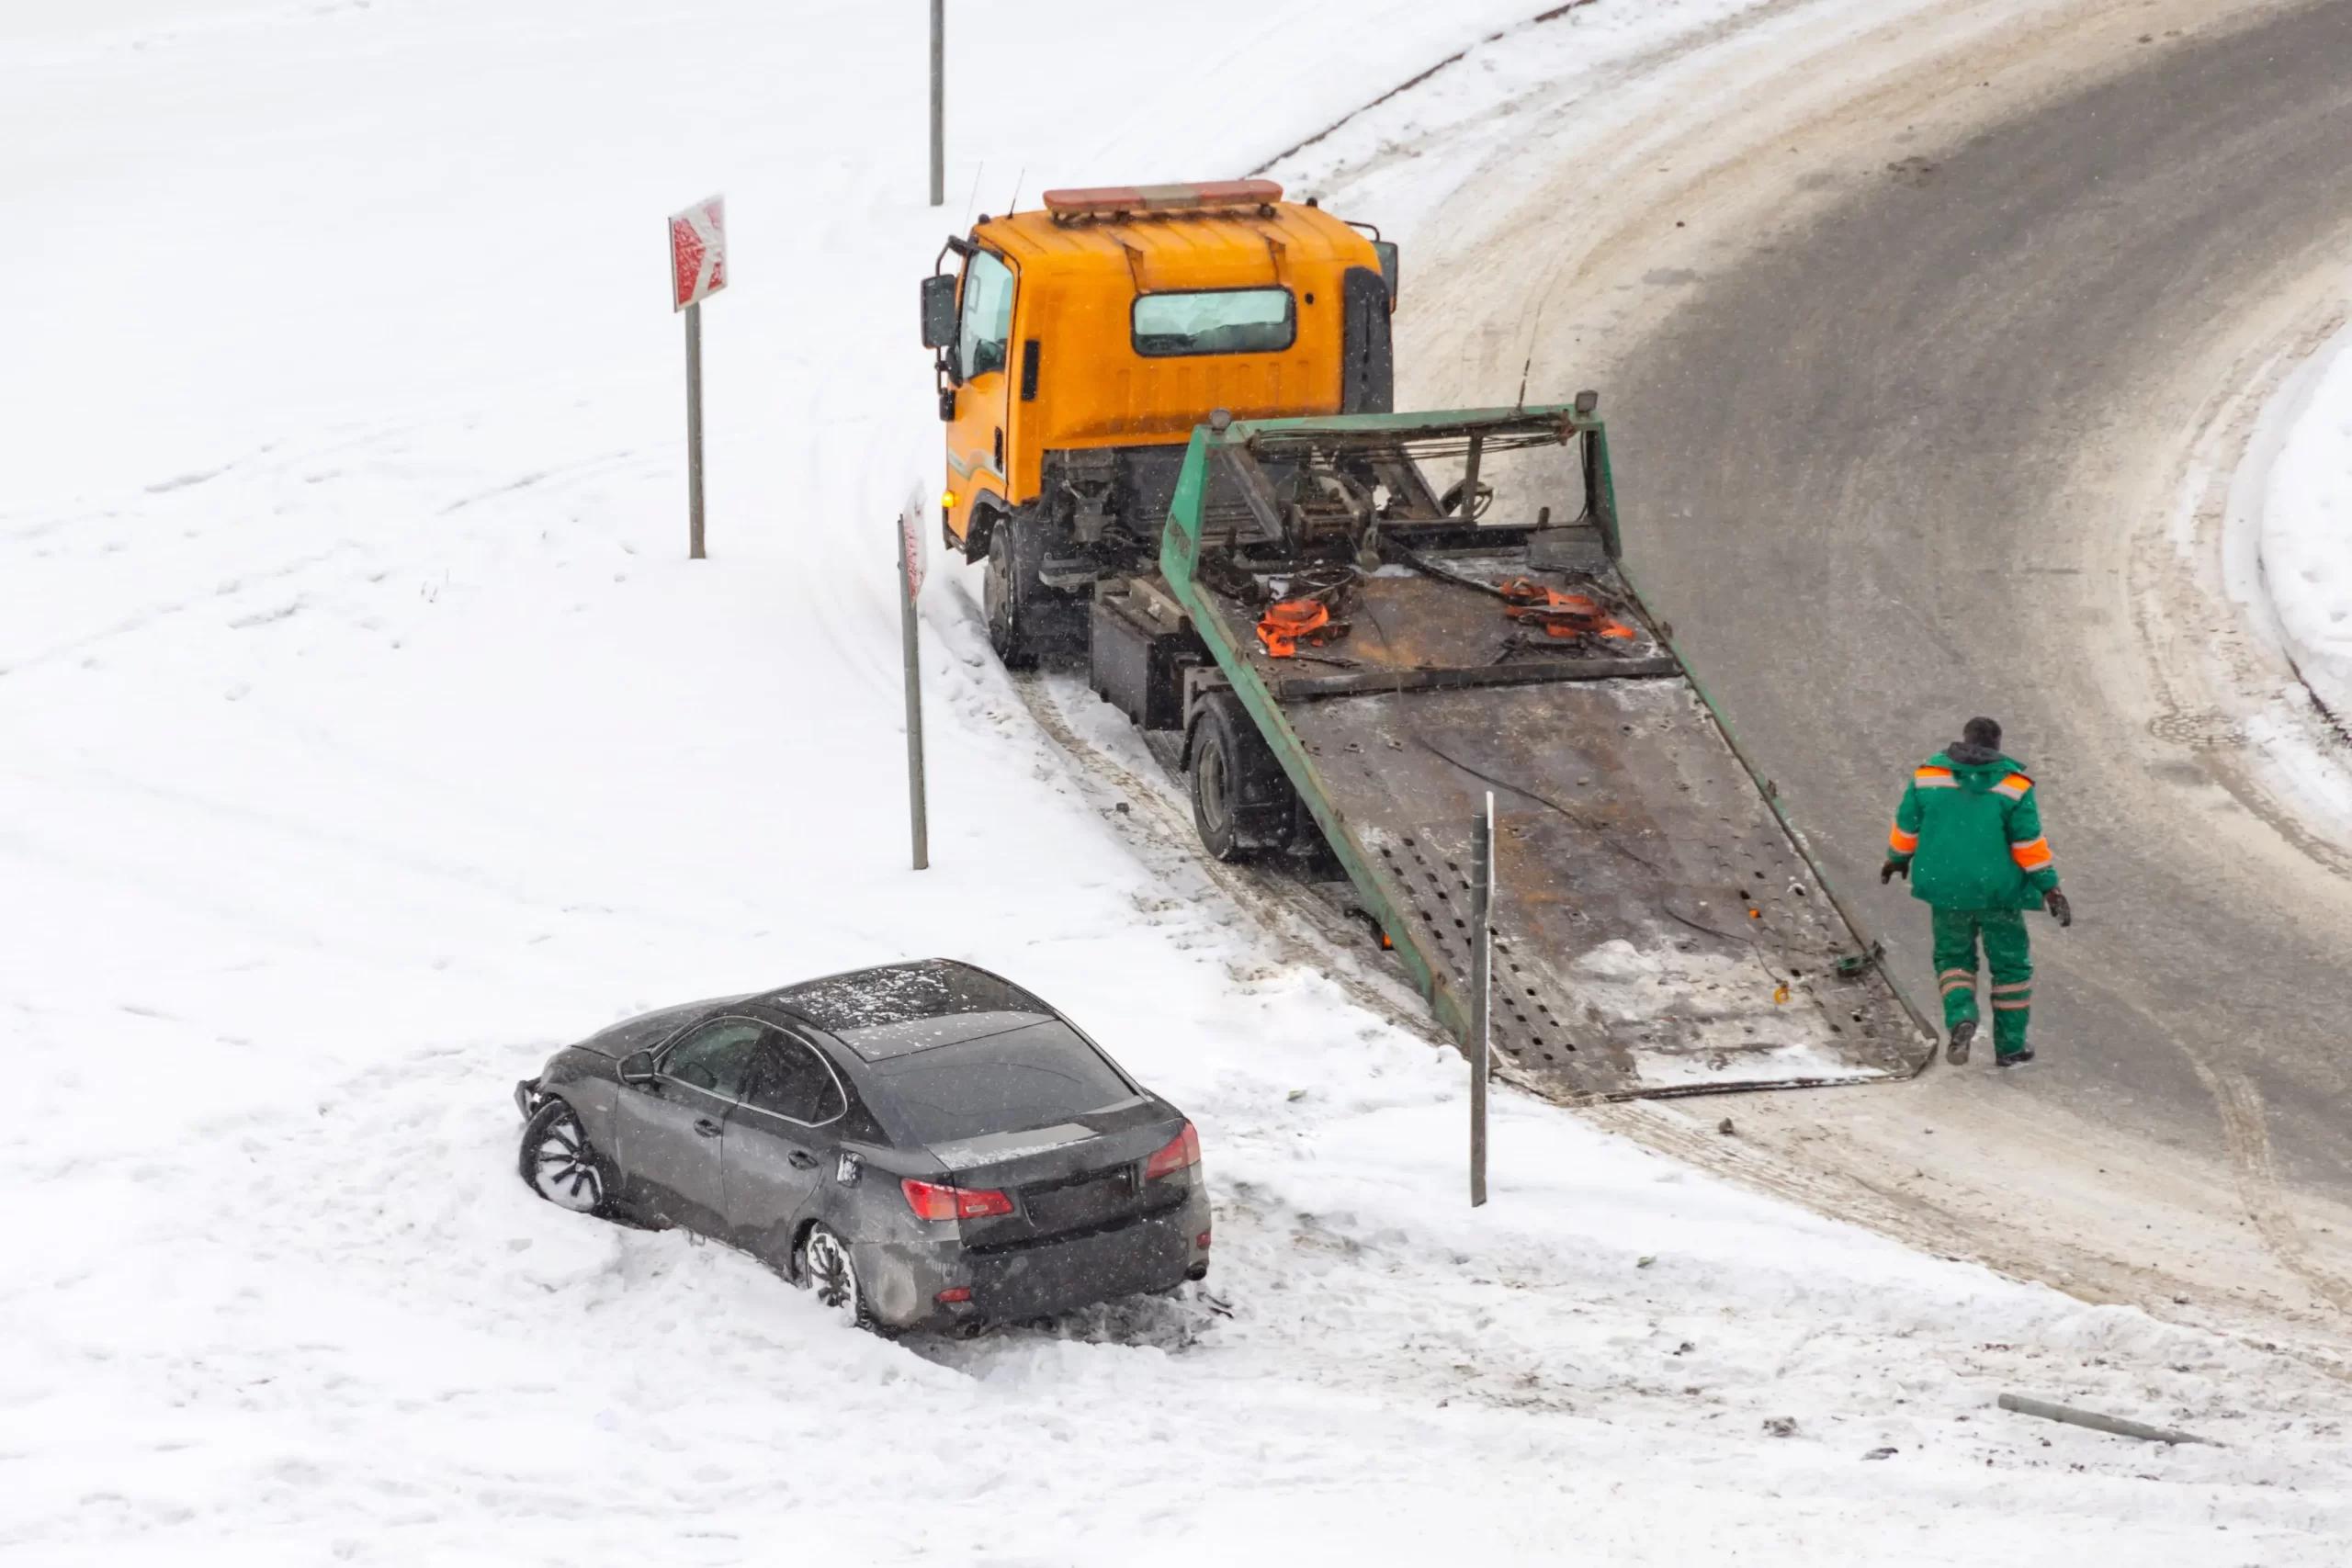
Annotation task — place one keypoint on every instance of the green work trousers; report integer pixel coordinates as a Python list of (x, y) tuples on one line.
[(2007, 952)]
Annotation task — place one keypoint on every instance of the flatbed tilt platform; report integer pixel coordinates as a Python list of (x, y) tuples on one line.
[(1658, 930)]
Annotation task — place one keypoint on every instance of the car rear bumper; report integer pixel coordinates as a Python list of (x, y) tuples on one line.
[(1149, 1254), (1152, 1253)]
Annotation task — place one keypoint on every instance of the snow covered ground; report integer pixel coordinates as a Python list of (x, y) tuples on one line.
[(363, 735), (2307, 532)]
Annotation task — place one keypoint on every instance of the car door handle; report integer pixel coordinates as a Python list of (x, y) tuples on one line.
[(802, 1160), (706, 1127)]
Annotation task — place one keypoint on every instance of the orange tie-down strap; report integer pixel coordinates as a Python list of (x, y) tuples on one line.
[(1289, 622), (1560, 615)]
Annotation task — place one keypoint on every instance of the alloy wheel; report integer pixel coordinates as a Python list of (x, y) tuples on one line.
[(562, 1169), (826, 1267)]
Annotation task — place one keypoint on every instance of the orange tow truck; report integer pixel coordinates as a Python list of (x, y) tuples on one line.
[(1169, 435), (1080, 345)]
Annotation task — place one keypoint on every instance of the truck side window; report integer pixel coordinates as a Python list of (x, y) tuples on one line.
[(987, 316)]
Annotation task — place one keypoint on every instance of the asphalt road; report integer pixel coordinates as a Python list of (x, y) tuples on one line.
[(1871, 495)]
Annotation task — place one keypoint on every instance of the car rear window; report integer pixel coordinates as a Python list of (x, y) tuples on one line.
[(880, 1042), (1037, 1074), (1217, 320)]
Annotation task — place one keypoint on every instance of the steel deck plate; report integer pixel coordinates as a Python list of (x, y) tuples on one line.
[(1656, 932)]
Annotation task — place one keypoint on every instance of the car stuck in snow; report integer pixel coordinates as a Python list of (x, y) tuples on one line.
[(926, 1144)]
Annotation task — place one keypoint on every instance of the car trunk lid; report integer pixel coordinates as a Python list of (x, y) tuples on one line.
[(1081, 1176)]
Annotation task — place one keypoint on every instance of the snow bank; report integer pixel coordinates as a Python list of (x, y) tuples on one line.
[(362, 736), (2306, 536)]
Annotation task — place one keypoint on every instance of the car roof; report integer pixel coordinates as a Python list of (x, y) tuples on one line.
[(901, 993)]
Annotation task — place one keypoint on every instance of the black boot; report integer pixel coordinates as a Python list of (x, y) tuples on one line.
[(1962, 1033), (2013, 1059)]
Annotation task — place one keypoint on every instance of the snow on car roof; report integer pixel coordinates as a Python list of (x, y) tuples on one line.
[(852, 1005)]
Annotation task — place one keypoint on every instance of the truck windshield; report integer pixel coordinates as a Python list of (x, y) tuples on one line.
[(1221, 321), (987, 316)]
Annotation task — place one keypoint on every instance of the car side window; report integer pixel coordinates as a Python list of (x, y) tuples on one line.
[(717, 1057), (791, 1081)]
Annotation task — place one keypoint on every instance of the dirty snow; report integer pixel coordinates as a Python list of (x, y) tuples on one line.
[(362, 736)]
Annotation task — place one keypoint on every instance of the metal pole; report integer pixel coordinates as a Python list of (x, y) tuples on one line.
[(1481, 982), (938, 102), (694, 431), (912, 648), (2099, 1423)]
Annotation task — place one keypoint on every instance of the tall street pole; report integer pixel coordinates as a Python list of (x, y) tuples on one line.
[(938, 102), (694, 431), (1482, 977), (918, 816)]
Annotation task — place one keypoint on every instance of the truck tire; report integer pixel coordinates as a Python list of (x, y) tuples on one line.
[(1242, 801), (1009, 589)]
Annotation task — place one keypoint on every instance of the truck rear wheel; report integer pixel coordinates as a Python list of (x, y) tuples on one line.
[(1242, 801)]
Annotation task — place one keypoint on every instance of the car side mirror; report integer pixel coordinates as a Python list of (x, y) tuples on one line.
[(939, 310), (636, 1067), (1386, 251)]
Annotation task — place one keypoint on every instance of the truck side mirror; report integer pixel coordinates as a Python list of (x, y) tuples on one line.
[(1386, 251), (939, 310)]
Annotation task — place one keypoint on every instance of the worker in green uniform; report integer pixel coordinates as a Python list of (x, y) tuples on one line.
[(1968, 837)]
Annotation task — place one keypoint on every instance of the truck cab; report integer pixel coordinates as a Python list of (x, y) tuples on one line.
[(1079, 345)]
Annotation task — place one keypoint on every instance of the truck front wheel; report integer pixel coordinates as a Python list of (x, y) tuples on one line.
[(1005, 591), (1241, 802)]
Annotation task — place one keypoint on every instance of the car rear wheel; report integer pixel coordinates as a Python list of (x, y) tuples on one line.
[(827, 1268), (558, 1162)]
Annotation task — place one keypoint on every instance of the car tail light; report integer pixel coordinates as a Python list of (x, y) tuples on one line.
[(955, 1293), (1183, 1153), (931, 1201), (1201, 1241)]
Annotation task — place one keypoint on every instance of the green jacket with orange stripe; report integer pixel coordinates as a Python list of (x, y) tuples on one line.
[(1972, 835)]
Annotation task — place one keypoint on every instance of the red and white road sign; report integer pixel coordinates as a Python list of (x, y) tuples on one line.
[(697, 252), (914, 538)]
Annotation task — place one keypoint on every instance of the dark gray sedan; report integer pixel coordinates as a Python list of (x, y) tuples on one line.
[(927, 1144)]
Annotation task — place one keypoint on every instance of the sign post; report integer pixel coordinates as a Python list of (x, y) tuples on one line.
[(697, 270), (938, 102), (1481, 988), (911, 562)]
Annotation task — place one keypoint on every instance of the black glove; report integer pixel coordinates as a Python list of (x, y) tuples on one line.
[(2055, 902), (1894, 869)]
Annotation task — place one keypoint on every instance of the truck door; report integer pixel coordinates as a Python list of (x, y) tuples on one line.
[(976, 437)]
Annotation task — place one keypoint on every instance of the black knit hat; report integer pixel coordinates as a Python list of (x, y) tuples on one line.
[(1982, 732)]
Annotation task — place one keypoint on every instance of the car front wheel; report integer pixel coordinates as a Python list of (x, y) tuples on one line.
[(558, 1162)]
